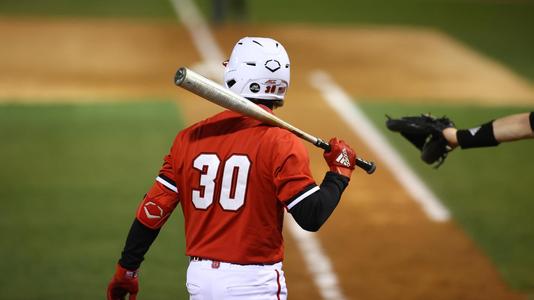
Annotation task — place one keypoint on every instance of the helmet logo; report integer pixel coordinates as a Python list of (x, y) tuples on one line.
[(272, 65), (254, 87)]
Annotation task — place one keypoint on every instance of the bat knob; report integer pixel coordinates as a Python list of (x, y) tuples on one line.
[(372, 169), (369, 167), (180, 76)]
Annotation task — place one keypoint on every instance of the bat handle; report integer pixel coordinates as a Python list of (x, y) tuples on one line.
[(322, 144), (368, 166)]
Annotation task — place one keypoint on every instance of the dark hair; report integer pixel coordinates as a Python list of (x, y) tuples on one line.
[(271, 104)]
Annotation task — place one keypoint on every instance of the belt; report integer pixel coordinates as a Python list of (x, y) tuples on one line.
[(197, 258)]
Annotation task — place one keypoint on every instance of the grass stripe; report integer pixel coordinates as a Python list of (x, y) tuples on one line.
[(71, 178)]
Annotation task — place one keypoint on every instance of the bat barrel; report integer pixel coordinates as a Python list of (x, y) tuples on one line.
[(180, 75)]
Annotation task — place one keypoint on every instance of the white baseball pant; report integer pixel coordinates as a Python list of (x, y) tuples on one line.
[(207, 279)]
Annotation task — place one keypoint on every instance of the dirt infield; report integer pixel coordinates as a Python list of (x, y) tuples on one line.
[(88, 60), (60, 59), (381, 244), (396, 64)]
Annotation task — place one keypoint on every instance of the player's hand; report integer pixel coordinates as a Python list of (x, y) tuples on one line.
[(449, 134), (341, 158), (123, 282)]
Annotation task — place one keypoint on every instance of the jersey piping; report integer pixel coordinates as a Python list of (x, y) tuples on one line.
[(302, 197), (167, 183)]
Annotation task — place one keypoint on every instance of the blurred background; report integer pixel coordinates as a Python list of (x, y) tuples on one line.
[(88, 110)]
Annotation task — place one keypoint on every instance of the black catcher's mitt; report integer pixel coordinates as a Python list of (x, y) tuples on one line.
[(424, 132)]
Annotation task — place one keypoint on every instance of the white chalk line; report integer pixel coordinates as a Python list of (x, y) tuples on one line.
[(205, 43), (316, 260), (353, 116)]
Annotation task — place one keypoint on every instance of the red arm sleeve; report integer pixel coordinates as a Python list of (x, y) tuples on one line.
[(161, 199), (153, 212)]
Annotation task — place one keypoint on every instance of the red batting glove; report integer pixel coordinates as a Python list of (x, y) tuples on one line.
[(341, 158), (123, 282)]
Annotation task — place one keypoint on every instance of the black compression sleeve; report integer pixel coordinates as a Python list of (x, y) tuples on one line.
[(482, 136), (314, 210), (139, 240), (532, 121)]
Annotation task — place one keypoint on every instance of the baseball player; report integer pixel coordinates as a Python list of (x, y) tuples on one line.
[(234, 177), (506, 129)]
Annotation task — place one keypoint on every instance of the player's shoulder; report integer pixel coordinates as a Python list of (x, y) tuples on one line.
[(279, 133), (204, 122), (282, 139)]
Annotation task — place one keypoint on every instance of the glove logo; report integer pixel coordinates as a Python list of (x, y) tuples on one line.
[(343, 158), (153, 211)]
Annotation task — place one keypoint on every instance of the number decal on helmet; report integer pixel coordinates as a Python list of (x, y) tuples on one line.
[(270, 89)]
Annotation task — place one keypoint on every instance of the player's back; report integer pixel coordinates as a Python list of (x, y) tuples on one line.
[(227, 181)]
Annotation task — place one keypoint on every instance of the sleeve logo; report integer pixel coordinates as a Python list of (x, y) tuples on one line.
[(153, 211)]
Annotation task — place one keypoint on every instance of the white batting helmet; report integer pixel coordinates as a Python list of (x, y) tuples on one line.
[(258, 69)]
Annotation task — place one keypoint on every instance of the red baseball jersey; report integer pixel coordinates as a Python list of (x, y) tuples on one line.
[(233, 177)]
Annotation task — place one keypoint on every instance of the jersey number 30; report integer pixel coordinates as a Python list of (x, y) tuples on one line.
[(233, 186)]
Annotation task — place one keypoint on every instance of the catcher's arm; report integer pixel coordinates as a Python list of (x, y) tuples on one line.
[(506, 129), (435, 137)]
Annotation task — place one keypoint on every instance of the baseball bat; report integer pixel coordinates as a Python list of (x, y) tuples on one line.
[(214, 92)]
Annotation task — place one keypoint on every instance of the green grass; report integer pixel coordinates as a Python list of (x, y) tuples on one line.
[(93, 8), (71, 178), (489, 191)]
